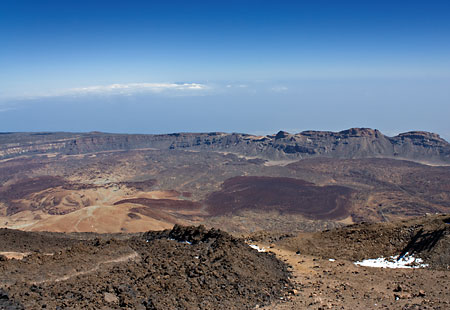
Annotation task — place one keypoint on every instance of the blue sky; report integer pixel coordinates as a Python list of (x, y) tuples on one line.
[(246, 66)]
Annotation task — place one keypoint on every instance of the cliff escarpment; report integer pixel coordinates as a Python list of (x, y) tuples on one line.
[(351, 143)]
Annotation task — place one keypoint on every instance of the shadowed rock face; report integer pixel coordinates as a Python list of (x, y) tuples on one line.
[(427, 237), (351, 143), (285, 195)]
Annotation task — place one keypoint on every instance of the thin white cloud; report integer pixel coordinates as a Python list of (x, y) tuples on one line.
[(139, 88), (236, 86), (279, 89), (128, 89)]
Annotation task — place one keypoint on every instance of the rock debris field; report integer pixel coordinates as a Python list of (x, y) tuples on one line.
[(182, 268)]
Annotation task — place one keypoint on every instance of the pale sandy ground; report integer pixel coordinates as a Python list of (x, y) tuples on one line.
[(15, 255), (101, 217), (339, 284)]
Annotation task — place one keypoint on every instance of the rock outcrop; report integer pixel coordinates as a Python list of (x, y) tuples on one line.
[(351, 143)]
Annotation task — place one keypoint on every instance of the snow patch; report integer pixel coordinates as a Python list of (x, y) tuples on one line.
[(185, 242), (254, 246), (406, 261)]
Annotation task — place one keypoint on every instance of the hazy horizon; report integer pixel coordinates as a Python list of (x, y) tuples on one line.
[(240, 66)]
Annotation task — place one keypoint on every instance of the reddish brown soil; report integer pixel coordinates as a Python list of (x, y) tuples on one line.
[(163, 204), (186, 194), (286, 195), (13, 193), (388, 189), (155, 214), (383, 189), (25, 187), (140, 185)]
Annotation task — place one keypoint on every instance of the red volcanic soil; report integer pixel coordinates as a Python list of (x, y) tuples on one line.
[(162, 204), (141, 185), (32, 185), (27, 186), (285, 195), (186, 194)]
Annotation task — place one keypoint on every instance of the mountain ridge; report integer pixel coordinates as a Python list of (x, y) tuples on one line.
[(418, 146)]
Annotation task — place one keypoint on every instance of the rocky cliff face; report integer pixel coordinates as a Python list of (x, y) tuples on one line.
[(351, 143)]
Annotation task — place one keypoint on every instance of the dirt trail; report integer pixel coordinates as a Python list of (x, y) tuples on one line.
[(122, 259), (339, 284), (89, 212)]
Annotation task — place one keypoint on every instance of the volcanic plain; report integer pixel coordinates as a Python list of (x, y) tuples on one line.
[(87, 208)]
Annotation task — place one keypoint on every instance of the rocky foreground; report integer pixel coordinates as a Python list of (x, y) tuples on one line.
[(325, 276), (196, 268), (182, 268)]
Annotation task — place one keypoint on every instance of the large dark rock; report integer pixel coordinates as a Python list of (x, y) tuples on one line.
[(6, 303)]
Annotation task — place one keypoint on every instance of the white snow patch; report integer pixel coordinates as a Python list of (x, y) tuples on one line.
[(254, 246), (407, 261), (186, 242)]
